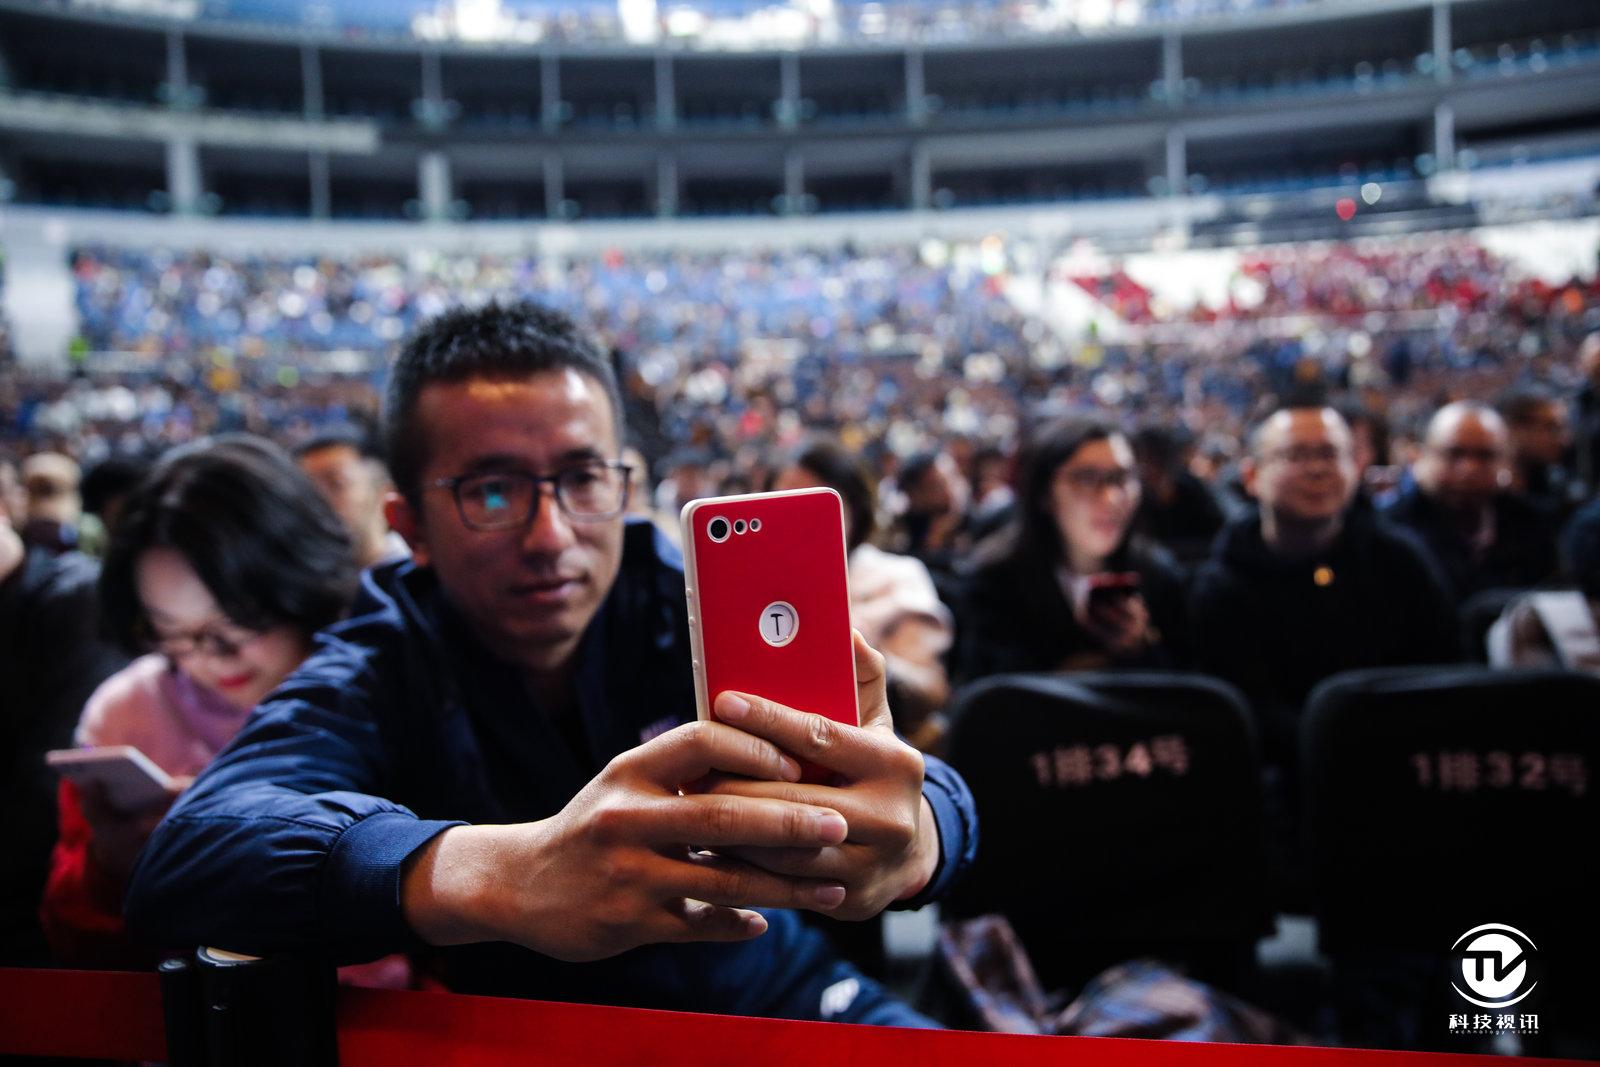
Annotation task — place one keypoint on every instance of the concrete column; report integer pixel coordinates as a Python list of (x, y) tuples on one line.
[(1444, 136), (555, 188), (666, 186), (321, 186), (311, 83), (916, 88), (433, 186), (183, 175), (1443, 68), (788, 109), (1177, 162), (1172, 68), (432, 115), (921, 177), (666, 93), (177, 70), (794, 181), (550, 92), (432, 77)]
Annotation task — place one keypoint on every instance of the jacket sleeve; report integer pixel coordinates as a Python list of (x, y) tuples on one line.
[(956, 814), (280, 846)]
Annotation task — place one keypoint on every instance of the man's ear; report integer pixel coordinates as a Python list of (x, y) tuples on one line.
[(404, 520), (1248, 469)]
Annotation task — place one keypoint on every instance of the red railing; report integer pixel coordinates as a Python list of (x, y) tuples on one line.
[(113, 1015)]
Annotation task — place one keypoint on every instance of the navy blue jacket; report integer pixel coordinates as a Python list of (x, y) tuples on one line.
[(400, 725)]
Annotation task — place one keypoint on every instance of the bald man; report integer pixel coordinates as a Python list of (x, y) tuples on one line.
[(1461, 506)]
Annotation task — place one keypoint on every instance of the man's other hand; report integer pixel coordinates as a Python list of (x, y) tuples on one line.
[(625, 863)]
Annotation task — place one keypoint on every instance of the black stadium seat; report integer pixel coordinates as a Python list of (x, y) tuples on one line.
[(1442, 799), (1121, 817)]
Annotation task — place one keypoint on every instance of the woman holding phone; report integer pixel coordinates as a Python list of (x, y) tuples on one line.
[(225, 563), (1066, 585)]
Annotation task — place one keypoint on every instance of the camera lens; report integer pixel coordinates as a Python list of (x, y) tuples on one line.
[(718, 529), (738, 526)]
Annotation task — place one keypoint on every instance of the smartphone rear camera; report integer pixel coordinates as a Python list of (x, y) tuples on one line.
[(738, 526), (717, 529), (755, 525)]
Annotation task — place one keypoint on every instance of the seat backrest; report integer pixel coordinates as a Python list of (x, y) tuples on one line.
[(1440, 799), (1115, 808)]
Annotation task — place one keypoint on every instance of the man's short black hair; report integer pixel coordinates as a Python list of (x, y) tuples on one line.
[(515, 340), (1309, 401), (351, 437), (113, 477), (916, 468), (257, 533), (1160, 446), (1522, 402)]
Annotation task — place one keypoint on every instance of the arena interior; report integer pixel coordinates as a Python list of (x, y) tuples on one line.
[(1212, 387)]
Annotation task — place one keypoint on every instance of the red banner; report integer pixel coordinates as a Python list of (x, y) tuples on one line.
[(112, 1015)]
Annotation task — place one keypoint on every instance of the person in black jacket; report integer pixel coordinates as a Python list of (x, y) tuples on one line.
[(51, 658), (1178, 510), (1306, 586), (1482, 535), (1067, 585)]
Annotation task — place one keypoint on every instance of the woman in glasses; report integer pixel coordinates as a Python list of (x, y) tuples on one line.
[(224, 564), (1066, 585)]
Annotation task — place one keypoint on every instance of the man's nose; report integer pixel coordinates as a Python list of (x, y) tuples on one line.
[(549, 529)]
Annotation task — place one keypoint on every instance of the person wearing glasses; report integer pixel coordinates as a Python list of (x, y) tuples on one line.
[(224, 564), (1462, 506), (1305, 585), (493, 763), (1067, 584)]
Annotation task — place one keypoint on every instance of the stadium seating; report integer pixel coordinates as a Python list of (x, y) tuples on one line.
[(1121, 817)]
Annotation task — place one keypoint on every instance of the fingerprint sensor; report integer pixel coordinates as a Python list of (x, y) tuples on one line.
[(779, 623)]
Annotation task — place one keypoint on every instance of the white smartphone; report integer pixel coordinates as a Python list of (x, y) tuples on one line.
[(131, 781)]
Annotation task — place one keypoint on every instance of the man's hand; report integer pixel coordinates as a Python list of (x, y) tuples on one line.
[(621, 865), (893, 845), (11, 549)]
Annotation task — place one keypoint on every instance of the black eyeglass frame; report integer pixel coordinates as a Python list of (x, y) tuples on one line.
[(539, 481)]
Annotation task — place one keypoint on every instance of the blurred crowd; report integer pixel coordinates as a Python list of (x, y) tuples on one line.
[(1373, 456)]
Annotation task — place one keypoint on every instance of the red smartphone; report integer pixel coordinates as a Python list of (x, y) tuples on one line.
[(769, 602)]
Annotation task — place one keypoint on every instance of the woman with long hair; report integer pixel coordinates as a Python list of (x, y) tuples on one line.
[(1067, 584)]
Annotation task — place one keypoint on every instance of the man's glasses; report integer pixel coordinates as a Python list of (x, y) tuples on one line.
[(1306, 455), (504, 500), (1465, 454), (1092, 481)]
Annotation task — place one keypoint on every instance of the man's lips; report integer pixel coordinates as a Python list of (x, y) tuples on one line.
[(234, 681), (545, 591)]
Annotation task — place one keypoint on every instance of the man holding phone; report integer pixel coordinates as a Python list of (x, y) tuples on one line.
[(519, 696)]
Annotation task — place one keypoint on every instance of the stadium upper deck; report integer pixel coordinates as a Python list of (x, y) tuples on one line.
[(117, 111)]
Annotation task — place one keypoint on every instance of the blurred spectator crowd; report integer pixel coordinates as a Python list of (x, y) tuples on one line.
[(1370, 456)]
